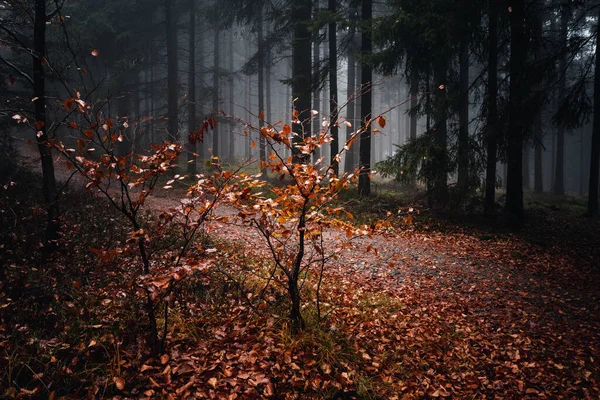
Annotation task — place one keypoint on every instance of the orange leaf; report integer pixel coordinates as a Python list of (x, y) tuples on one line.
[(286, 129), (95, 53), (39, 125), (88, 133), (73, 125), (381, 121), (261, 115), (253, 144), (119, 382)]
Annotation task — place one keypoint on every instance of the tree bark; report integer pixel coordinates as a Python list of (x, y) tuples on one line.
[(231, 148), (350, 161), (492, 128), (192, 123), (301, 74), (261, 95), (439, 156), (595, 153), (538, 184), (172, 71), (333, 89), (215, 97), (463, 115), (518, 55), (364, 179), (559, 174), (39, 93)]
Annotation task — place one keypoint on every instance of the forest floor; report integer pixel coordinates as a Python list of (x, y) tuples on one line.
[(450, 307)]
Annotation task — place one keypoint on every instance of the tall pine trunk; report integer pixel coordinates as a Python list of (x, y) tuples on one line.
[(333, 89), (559, 174), (172, 106), (595, 154), (538, 183), (261, 95), (439, 158), (463, 114), (518, 55), (350, 161), (301, 74), (492, 123), (191, 148), (215, 97), (364, 179), (231, 148), (39, 94)]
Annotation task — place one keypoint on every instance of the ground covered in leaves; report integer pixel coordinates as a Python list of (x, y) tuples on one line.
[(432, 309)]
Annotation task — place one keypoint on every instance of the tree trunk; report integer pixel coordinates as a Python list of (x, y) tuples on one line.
[(538, 184), (518, 55), (463, 115), (595, 154), (526, 169), (492, 128), (261, 95), (316, 104), (39, 93), (231, 153), (215, 97), (439, 158), (192, 123), (301, 74), (333, 89), (364, 179), (172, 107), (559, 174), (350, 161)]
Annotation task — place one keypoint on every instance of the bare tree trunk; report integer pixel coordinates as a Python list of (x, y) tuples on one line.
[(364, 179), (192, 123), (538, 184), (172, 71), (301, 73), (463, 115), (333, 89), (231, 153), (595, 153), (39, 93), (316, 103), (559, 174), (215, 103), (514, 179), (261, 95), (439, 158), (492, 134)]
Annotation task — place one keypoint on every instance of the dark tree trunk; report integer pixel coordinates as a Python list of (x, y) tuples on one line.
[(39, 93), (559, 174), (463, 115), (439, 158), (595, 154), (231, 153), (172, 107), (414, 101), (518, 55), (192, 123), (301, 73), (350, 162), (364, 179), (526, 169), (316, 104), (333, 89), (538, 184), (261, 95), (492, 128), (215, 97)]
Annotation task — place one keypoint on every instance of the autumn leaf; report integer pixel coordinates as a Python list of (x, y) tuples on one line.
[(381, 121), (286, 129), (95, 53), (119, 382)]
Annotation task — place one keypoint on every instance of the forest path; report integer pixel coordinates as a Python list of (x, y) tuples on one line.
[(515, 303)]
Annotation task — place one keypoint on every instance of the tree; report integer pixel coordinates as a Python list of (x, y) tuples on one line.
[(172, 70), (595, 153), (492, 120), (190, 147), (364, 180), (514, 136), (333, 89), (301, 72)]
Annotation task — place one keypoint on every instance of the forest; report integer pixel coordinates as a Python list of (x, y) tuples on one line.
[(299, 199)]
